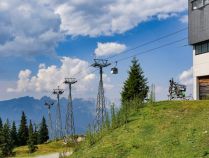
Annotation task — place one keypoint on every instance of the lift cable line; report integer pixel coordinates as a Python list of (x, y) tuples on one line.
[(100, 106), (58, 122), (141, 45), (144, 52), (48, 105), (149, 42), (69, 125), (153, 49)]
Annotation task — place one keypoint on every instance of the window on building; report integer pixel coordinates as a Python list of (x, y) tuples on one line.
[(202, 48), (197, 4)]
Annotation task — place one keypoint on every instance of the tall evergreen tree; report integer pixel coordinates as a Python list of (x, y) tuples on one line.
[(1, 124), (43, 132), (136, 84), (6, 142), (14, 134), (35, 133), (23, 130), (31, 139)]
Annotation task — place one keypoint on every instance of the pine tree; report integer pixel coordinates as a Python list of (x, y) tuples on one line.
[(136, 84), (35, 133), (31, 139), (6, 142), (43, 134), (1, 124), (23, 131), (14, 134)]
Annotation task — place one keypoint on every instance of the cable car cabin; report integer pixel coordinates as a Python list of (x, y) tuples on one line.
[(114, 70)]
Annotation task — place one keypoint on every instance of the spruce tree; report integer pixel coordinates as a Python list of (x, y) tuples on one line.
[(35, 133), (136, 84), (31, 139), (23, 131), (1, 124), (43, 135), (14, 134), (6, 142)]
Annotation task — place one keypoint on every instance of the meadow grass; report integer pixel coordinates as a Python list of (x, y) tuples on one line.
[(167, 129)]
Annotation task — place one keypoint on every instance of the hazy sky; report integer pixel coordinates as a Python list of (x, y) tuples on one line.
[(44, 41)]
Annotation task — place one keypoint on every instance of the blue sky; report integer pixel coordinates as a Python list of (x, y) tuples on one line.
[(47, 41)]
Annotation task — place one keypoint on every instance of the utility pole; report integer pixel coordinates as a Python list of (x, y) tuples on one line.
[(58, 123), (100, 107), (69, 125), (48, 106)]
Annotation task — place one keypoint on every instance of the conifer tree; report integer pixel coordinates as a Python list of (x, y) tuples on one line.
[(31, 139), (35, 133), (14, 134), (6, 142), (136, 84), (43, 134), (1, 124), (23, 131)]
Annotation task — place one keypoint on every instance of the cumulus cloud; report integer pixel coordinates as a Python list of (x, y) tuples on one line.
[(49, 77), (28, 28), (104, 49), (33, 27), (107, 17), (186, 77)]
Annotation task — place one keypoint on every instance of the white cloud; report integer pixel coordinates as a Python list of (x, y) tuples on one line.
[(48, 77), (34, 27), (28, 28), (107, 17), (184, 19), (186, 77), (104, 49)]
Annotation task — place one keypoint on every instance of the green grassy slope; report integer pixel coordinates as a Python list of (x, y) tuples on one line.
[(169, 129)]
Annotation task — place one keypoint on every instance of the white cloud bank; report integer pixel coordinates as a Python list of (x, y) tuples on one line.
[(32, 27), (107, 17), (186, 77), (49, 77), (105, 49)]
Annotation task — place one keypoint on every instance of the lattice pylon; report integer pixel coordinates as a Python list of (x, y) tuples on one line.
[(51, 130), (100, 107), (69, 125), (58, 121)]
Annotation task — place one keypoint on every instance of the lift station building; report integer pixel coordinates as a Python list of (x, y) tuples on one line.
[(199, 39)]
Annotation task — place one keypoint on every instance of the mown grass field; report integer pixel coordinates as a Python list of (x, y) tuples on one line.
[(47, 148), (168, 129)]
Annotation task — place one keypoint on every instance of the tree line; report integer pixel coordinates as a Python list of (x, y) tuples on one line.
[(30, 135)]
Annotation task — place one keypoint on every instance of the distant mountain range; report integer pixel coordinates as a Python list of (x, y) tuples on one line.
[(84, 110)]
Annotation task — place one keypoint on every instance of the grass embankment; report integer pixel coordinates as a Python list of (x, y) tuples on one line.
[(169, 129), (47, 148)]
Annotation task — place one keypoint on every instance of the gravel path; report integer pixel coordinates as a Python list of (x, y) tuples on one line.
[(54, 155)]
